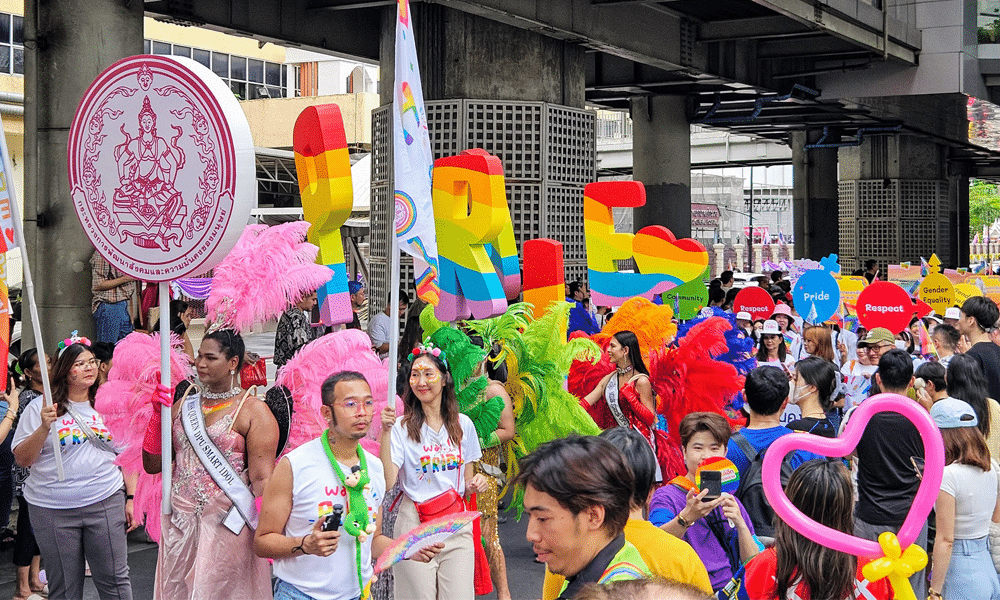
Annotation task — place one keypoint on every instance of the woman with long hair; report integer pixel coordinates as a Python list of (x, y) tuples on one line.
[(199, 556), (84, 515), (815, 389), (797, 567), (26, 556), (431, 448), (771, 350), (628, 393), (967, 502), (817, 341), (966, 381)]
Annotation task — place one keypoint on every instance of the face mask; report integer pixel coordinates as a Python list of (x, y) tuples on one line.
[(901, 345), (798, 393)]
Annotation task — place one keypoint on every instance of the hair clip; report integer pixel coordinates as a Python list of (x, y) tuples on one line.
[(74, 338), (428, 348), (18, 370)]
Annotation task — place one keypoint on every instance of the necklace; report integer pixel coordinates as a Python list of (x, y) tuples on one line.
[(624, 370), (355, 498), (207, 410), (221, 395)]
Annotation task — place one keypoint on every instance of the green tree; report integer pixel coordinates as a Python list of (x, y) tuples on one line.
[(984, 206)]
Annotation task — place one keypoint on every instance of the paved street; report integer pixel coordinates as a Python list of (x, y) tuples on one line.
[(524, 574)]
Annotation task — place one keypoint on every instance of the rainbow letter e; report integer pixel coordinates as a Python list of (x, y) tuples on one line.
[(324, 171)]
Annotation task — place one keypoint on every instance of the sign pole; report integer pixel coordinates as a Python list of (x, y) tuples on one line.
[(165, 421), (394, 315)]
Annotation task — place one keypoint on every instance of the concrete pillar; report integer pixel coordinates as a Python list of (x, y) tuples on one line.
[(661, 159), (904, 201), (59, 67), (462, 55), (815, 199), (741, 259), (720, 258), (758, 258)]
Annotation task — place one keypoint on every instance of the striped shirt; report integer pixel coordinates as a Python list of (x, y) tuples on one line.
[(102, 271)]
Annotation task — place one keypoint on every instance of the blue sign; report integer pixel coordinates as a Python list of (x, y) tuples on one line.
[(816, 292)]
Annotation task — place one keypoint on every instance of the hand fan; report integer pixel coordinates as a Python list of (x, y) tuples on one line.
[(422, 536)]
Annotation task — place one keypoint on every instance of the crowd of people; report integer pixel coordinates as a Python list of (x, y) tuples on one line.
[(615, 515)]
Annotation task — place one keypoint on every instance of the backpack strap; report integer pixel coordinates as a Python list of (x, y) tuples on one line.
[(745, 446)]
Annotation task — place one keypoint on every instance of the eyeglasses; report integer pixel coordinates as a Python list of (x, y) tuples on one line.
[(355, 407), (85, 364), (879, 347)]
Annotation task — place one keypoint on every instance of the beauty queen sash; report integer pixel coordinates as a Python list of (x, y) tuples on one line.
[(223, 474)]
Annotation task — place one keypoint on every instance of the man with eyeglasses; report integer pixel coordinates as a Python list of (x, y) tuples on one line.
[(305, 487), (876, 343)]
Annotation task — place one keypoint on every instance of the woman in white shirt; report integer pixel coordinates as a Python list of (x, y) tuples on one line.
[(966, 504), (85, 515), (771, 351), (430, 449)]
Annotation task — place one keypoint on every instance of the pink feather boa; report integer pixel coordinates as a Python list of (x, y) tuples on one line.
[(268, 269), (123, 402), (346, 350)]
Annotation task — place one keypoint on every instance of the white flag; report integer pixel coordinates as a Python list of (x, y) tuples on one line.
[(413, 163)]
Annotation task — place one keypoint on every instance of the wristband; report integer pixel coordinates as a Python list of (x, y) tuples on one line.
[(129, 496)]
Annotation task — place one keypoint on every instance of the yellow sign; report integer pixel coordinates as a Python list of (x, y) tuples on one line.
[(936, 289), (850, 289), (964, 291), (992, 287)]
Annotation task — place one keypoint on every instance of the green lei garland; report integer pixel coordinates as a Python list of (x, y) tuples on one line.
[(355, 493)]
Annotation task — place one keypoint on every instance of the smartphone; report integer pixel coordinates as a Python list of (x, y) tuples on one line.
[(711, 481), (331, 522)]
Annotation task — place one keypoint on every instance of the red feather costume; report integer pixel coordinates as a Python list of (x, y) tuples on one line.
[(685, 379)]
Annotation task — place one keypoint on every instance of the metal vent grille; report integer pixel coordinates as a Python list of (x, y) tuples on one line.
[(512, 131), (572, 145)]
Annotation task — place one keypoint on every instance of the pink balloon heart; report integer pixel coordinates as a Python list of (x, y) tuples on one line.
[(842, 446)]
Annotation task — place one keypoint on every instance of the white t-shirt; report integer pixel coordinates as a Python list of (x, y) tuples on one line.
[(858, 378), (434, 465), (379, 329), (975, 493), (315, 491), (787, 365), (91, 474)]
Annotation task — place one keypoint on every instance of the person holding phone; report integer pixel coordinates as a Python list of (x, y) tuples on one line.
[(303, 504), (714, 523)]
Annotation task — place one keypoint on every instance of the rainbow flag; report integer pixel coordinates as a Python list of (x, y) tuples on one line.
[(413, 163), (927, 347)]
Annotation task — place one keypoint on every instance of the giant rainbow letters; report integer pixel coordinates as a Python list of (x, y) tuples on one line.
[(663, 261), (544, 275), (471, 213), (324, 171)]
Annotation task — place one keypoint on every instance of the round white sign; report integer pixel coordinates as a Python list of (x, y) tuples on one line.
[(161, 167)]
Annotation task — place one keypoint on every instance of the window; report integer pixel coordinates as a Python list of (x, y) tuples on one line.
[(11, 44), (248, 78)]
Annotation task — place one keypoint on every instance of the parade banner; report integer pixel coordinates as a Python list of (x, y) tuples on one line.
[(936, 289), (817, 292), (850, 289), (323, 168), (689, 298), (964, 291), (885, 304), (163, 177), (990, 287), (754, 300)]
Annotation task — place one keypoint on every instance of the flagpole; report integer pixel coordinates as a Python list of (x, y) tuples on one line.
[(29, 289), (393, 315)]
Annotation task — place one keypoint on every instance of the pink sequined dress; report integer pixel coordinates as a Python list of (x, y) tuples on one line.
[(199, 557)]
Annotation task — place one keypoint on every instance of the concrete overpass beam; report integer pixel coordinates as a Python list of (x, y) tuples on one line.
[(58, 70), (814, 197), (661, 154)]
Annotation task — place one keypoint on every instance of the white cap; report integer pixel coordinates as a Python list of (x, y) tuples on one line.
[(744, 316), (953, 313), (770, 328)]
